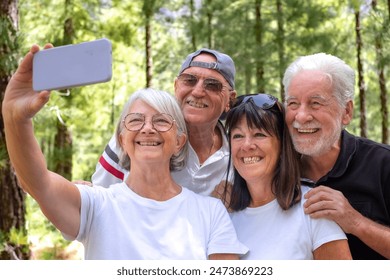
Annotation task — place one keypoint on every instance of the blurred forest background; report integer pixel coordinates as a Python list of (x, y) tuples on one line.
[(150, 40)]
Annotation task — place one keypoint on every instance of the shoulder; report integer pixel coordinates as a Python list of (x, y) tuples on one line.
[(360, 153), (200, 198), (204, 203), (99, 191), (305, 189), (366, 144)]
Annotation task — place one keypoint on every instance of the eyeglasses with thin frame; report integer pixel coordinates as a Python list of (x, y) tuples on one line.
[(261, 100), (209, 84), (161, 122)]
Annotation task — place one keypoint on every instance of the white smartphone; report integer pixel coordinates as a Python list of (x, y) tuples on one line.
[(72, 65)]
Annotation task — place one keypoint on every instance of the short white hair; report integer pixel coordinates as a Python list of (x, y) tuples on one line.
[(341, 75), (163, 102)]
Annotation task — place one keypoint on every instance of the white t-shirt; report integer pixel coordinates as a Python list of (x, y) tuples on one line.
[(116, 223), (201, 179), (275, 234)]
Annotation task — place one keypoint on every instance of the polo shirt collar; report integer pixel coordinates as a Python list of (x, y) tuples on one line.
[(347, 151)]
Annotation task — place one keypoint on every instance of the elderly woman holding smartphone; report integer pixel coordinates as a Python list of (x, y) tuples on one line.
[(148, 216), (266, 197)]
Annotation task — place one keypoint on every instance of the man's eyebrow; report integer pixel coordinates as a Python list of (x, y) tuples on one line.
[(310, 97), (290, 97), (319, 97)]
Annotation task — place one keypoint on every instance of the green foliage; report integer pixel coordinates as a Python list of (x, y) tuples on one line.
[(149, 7), (16, 238), (9, 41), (46, 241), (119, 22)]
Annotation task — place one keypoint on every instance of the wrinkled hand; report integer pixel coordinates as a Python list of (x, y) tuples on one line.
[(325, 202), (20, 100)]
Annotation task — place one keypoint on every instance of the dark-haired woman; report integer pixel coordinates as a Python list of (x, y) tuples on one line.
[(266, 197)]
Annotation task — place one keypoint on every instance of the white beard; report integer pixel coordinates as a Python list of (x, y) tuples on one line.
[(318, 146)]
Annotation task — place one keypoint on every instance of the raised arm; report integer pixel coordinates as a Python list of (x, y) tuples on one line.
[(58, 198)]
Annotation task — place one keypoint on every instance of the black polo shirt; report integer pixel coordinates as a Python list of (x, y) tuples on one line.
[(362, 174)]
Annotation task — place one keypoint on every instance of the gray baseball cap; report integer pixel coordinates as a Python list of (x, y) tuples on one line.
[(224, 64)]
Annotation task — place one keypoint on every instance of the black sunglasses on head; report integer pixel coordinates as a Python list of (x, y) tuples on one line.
[(262, 100)]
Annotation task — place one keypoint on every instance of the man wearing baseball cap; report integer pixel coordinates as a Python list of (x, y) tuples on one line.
[(204, 89)]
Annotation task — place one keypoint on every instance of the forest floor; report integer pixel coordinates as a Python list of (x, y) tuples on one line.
[(46, 242), (47, 250)]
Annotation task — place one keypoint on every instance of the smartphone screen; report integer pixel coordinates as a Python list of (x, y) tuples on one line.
[(72, 65)]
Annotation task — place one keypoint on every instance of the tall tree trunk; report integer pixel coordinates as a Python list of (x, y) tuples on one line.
[(193, 28), (148, 9), (259, 43), (381, 72), (385, 114), (280, 42), (209, 10), (12, 197), (388, 9), (383, 89), (63, 145), (63, 151), (362, 89), (384, 110), (148, 50), (248, 72), (382, 84)]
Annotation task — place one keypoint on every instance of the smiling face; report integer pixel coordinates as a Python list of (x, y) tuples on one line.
[(147, 144), (255, 153), (198, 105), (313, 115)]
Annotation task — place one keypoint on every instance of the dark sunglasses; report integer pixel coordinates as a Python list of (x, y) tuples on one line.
[(209, 84), (261, 100)]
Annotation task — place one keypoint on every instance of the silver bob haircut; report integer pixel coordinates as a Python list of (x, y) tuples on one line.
[(162, 102), (341, 75)]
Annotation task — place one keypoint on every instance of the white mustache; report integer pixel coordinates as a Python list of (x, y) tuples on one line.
[(311, 125)]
